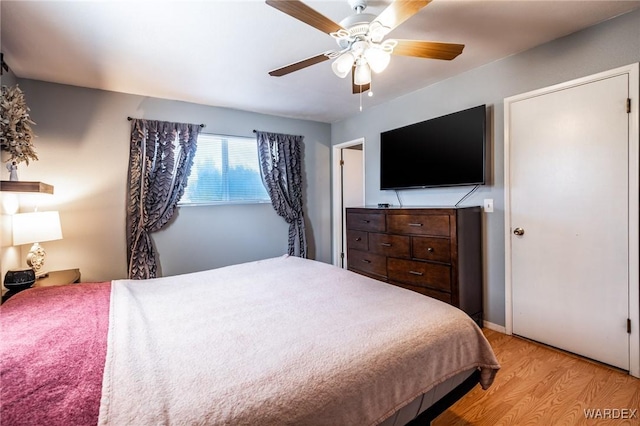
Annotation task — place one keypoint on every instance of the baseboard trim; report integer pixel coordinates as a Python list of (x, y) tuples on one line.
[(494, 327)]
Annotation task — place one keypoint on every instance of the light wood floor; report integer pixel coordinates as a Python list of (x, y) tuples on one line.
[(538, 385)]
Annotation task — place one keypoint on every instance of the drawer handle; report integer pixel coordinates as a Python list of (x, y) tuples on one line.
[(416, 273), (366, 260), (366, 221), (358, 239), (430, 249), (385, 244), (415, 224)]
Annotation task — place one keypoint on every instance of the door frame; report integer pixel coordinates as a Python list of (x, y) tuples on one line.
[(336, 199), (634, 211)]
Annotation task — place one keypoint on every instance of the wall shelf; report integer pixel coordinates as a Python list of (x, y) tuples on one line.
[(25, 186)]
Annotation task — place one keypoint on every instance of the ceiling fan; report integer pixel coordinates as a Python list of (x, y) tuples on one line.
[(360, 37)]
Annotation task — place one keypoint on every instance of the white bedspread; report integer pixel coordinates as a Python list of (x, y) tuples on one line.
[(283, 341)]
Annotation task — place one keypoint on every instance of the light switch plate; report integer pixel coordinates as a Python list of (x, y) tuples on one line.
[(488, 205)]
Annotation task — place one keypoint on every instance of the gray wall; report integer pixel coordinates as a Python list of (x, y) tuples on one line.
[(608, 45), (83, 145)]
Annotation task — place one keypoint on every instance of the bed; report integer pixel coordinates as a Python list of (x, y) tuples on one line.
[(282, 341)]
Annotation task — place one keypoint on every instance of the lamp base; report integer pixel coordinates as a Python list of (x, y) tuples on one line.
[(35, 259)]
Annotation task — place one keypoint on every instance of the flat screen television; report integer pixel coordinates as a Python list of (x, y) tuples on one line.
[(443, 151)]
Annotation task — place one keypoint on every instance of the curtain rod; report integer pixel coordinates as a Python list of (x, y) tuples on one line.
[(201, 125)]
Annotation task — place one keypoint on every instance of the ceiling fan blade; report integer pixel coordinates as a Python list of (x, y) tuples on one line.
[(428, 49), (357, 88), (306, 14), (296, 66), (399, 11)]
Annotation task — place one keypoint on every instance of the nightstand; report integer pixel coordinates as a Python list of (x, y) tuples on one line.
[(53, 278), (64, 277)]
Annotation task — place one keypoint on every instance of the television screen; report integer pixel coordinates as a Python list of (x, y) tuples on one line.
[(443, 151)]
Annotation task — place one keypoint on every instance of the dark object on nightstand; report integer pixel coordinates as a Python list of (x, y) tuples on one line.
[(17, 280), (52, 278)]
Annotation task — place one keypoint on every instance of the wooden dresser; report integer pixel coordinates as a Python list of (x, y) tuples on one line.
[(433, 251)]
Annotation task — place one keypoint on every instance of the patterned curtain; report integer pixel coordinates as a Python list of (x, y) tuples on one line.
[(280, 164), (160, 161)]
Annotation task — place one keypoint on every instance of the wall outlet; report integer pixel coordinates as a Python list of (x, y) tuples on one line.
[(488, 205)]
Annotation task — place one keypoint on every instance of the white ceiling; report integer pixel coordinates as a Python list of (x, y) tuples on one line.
[(219, 52)]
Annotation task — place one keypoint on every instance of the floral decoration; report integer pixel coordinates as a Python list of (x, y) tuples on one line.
[(16, 135)]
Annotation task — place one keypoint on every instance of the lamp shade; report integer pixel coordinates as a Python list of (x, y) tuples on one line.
[(36, 227), (342, 66), (377, 58), (362, 74)]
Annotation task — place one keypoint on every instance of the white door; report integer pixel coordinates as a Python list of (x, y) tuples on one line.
[(569, 196), (352, 178)]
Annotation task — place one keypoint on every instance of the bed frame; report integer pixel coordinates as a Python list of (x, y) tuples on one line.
[(426, 417)]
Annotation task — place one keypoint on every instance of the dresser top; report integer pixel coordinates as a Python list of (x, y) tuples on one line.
[(415, 207)]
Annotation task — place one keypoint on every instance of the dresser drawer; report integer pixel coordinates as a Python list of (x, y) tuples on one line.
[(422, 274), (366, 222), (358, 240), (367, 262), (427, 248), (418, 224), (389, 245), (440, 295)]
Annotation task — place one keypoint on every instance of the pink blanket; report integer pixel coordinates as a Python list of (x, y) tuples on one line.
[(69, 324)]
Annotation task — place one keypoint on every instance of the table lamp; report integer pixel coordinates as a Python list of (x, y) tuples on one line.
[(35, 228)]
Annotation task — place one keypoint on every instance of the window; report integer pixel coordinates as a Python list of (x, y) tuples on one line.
[(225, 171)]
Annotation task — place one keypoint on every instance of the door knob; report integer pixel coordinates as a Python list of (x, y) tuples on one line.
[(518, 231)]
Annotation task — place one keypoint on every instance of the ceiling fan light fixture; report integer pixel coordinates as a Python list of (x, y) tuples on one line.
[(342, 66), (377, 58), (362, 73)]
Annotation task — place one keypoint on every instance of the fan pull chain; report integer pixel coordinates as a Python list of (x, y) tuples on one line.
[(370, 94)]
